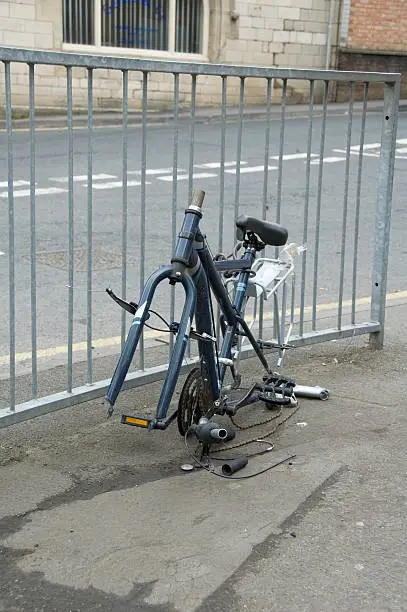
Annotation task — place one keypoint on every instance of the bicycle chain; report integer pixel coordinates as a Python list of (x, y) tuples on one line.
[(252, 440)]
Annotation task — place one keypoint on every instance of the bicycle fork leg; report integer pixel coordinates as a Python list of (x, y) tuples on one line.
[(136, 329), (180, 346)]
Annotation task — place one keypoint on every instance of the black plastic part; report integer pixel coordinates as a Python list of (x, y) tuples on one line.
[(131, 307), (163, 424), (271, 233), (235, 265), (232, 466), (211, 432)]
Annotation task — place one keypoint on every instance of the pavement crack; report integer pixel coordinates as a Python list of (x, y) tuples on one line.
[(225, 598)]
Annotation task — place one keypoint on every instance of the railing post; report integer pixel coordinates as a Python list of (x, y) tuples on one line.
[(383, 210)]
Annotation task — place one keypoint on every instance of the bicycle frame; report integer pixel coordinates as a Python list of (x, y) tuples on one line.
[(192, 266)]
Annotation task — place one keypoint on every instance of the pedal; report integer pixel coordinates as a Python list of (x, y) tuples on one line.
[(276, 380), (136, 421)]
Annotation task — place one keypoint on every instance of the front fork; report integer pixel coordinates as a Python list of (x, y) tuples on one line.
[(134, 334)]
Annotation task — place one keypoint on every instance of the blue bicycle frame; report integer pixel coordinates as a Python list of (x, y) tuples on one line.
[(193, 267)]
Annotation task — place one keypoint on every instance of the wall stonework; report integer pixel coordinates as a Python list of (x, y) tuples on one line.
[(282, 33)]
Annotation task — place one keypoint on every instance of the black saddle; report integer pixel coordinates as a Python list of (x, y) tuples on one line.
[(270, 233)]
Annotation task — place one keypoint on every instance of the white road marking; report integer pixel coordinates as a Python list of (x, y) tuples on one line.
[(23, 193), (293, 156), (155, 171), (248, 169), (402, 150), (402, 141), (328, 160), (184, 177), (15, 183), (115, 184), (2, 253), (366, 147), (77, 178), (356, 153), (214, 165)]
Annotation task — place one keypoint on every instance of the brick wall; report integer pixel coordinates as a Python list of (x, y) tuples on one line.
[(378, 25), (283, 33), (376, 41), (375, 62)]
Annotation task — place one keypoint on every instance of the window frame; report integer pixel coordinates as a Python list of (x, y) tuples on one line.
[(98, 48)]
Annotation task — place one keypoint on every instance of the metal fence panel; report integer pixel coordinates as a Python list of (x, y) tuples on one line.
[(135, 221)]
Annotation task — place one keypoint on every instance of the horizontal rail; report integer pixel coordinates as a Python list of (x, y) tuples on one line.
[(28, 56), (57, 401)]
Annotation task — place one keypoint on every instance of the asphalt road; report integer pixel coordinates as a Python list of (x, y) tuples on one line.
[(52, 213)]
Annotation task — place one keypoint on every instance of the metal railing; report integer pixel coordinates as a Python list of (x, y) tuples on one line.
[(308, 208)]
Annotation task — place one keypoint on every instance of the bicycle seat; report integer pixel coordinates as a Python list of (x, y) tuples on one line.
[(270, 233)]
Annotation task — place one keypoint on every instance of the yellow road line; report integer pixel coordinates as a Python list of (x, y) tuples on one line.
[(150, 334)]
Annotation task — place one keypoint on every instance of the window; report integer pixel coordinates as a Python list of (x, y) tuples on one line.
[(155, 25)]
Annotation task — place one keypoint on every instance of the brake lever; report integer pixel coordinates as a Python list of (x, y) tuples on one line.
[(131, 307)]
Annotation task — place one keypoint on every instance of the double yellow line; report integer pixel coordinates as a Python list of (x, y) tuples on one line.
[(114, 341)]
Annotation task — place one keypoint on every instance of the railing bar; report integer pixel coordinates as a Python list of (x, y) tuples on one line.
[(283, 314), (191, 156), (267, 150), (143, 198), (9, 120), (125, 86), (357, 209), (70, 225), (174, 191), (345, 203), (319, 202), (265, 183), (385, 178), (192, 136), (280, 153), (89, 300), (34, 381), (306, 206), (239, 147), (57, 58), (222, 163)]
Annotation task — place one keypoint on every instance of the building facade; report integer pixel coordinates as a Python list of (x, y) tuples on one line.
[(284, 33), (346, 34), (373, 37)]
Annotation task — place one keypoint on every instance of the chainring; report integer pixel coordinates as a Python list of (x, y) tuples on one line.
[(189, 408)]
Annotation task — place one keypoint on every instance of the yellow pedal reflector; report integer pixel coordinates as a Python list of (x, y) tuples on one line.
[(136, 421)]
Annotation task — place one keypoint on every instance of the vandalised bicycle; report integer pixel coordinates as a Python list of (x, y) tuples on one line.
[(204, 393)]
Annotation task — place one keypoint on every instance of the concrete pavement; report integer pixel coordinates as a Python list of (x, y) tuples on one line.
[(97, 516), (56, 118)]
